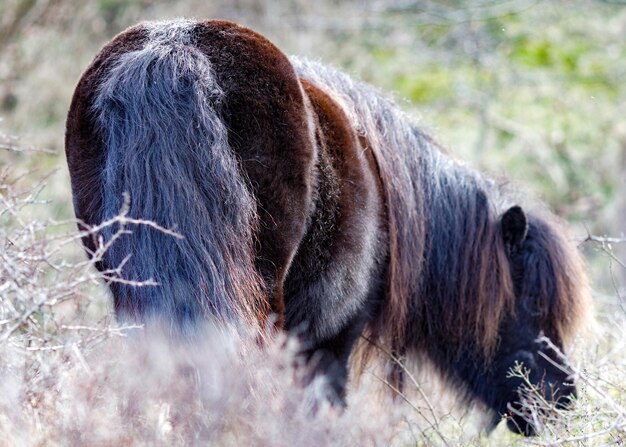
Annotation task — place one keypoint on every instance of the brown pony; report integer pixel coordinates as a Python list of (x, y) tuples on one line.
[(308, 198)]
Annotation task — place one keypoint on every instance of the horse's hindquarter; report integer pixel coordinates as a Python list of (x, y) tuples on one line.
[(336, 282), (321, 232), (269, 129)]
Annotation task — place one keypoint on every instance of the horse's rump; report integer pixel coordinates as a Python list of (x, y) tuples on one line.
[(160, 114)]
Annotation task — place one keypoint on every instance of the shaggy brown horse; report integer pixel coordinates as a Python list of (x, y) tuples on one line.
[(308, 197)]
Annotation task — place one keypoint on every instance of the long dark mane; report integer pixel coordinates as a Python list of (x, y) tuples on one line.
[(449, 276)]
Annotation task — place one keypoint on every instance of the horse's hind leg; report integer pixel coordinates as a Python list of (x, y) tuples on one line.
[(321, 238), (335, 283)]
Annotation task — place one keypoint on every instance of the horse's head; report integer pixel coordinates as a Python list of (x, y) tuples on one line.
[(547, 280)]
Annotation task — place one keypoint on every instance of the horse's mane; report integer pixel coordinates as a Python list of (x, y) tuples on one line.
[(449, 276)]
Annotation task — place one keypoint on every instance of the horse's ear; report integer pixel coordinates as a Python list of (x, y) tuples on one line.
[(514, 226)]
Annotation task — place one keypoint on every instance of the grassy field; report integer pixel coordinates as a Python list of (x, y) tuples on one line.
[(526, 90)]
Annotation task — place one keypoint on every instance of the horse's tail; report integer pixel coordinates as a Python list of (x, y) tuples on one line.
[(158, 110)]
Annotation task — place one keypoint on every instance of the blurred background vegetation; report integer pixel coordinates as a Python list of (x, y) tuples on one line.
[(533, 91)]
